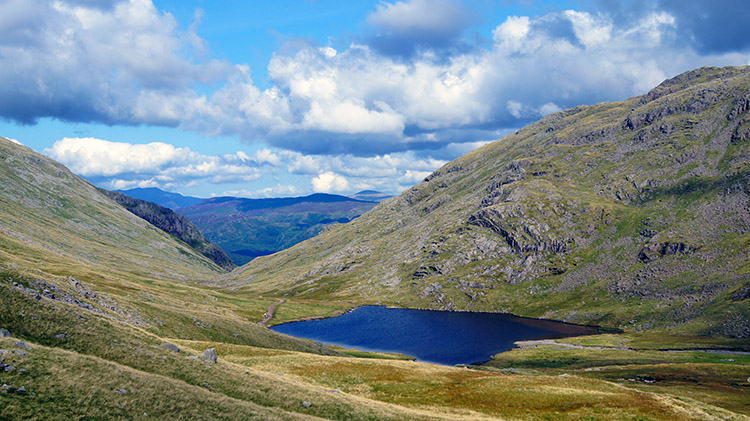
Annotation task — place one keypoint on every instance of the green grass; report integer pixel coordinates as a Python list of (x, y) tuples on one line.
[(714, 379)]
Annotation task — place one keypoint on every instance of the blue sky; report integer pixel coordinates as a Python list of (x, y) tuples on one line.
[(263, 99)]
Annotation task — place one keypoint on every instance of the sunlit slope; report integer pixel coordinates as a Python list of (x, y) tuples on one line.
[(52, 220), (75, 246), (631, 214)]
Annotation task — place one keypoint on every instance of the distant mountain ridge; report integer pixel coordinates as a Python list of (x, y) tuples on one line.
[(633, 214), (161, 197), (176, 200), (247, 204), (248, 228), (370, 196)]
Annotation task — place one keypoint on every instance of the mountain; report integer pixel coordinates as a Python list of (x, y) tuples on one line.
[(370, 196), (161, 197), (173, 224), (632, 214), (50, 218), (247, 228)]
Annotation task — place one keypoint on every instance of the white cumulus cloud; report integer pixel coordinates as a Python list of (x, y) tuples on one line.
[(155, 164), (329, 182)]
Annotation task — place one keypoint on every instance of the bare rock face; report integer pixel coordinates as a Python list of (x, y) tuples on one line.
[(210, 355)]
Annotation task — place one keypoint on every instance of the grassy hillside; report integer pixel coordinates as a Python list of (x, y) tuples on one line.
[(631, 214), (52, 220), (64, 241), (173, 224)]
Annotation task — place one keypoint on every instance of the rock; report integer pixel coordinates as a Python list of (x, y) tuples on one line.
[(21, 390), (121, 391), (651, 252), (23, 345), (4, 333), (6, 368), (209, 355), (61, 336), (306, 404), (6, 388), (171, 347)]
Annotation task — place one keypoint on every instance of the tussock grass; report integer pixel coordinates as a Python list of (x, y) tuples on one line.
[(713, 379)]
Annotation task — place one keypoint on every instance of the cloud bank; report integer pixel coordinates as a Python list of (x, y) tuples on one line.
[(127, 63), (120, 165), (417, 83)]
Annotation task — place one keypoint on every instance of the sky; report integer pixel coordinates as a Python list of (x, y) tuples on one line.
[(272, 99)]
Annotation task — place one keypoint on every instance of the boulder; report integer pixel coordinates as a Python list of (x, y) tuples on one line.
[(171, 347), (210, 355), (22, 345), (4, 333)]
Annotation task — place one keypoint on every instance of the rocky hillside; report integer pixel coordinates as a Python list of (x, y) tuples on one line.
[(247, 228), (173, 224), (633, 214)]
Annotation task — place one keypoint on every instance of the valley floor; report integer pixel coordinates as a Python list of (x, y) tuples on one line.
[(80, 364)]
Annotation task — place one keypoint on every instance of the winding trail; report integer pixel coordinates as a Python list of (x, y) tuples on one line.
[(269, 314)]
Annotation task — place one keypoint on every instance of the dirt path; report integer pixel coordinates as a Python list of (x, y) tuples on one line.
[(269, 314)]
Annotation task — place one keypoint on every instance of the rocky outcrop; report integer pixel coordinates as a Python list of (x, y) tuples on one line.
[(173, 224), (651, 252), (522, 238)]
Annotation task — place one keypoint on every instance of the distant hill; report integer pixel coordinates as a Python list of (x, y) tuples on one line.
[(247, 228), (370, 196), (161, 197), (632, 214), (174, 224)]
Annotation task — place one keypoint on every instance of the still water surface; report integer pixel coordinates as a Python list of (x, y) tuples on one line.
[(441, 337)]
